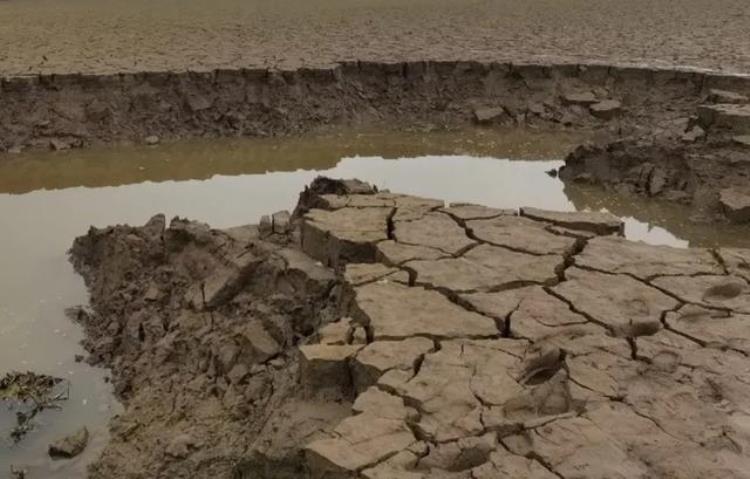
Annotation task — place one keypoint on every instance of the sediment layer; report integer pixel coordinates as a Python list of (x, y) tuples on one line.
[(379, 335)]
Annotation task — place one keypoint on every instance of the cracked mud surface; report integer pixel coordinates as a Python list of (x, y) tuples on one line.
[(327, 348), (89, 37)]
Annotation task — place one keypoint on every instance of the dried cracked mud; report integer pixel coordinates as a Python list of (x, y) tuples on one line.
[(377, 335)]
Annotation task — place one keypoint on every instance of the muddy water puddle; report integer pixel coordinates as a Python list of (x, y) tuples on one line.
[(48, 199)]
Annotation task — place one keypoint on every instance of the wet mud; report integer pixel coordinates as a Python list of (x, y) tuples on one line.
[(373, 335)]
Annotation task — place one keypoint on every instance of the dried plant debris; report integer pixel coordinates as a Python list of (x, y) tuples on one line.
[(28, 394)]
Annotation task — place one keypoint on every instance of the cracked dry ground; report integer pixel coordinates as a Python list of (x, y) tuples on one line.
[(470, 342)]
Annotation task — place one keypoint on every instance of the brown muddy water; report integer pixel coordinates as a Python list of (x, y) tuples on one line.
[(47, 199)]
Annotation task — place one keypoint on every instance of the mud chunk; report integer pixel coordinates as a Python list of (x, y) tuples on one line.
[(487, 268), (606, 110), (382, 404), (737, 261), (466, 211), (505, 465), (70, 446), (693, 134), (337, 333), (618, 255), (626, 306), (461, 455), (726, 116), (281, 222), (723, 96), (180, 446), (151, 140), (484, 116), (393, 311), (434, 230), (379, 357), (736, 204), (725, 292), (357, 274), (742, 140), (326, 366), (362, 441), (393, 253), (580, 98), (347, 234), (256, 343), (597, 222), (521, 234), (719, 329), (265, 225)]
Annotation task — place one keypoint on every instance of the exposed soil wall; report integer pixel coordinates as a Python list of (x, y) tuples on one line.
[(684, 122), (62, 111)]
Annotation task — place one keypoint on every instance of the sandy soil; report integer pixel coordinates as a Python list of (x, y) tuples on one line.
[(50, 36)]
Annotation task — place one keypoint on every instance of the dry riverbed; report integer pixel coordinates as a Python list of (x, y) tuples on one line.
[(381, 335)]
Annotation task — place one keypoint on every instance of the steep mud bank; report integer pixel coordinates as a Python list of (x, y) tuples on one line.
[(445, 342), (635, 107)]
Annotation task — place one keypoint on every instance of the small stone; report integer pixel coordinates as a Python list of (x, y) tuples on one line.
[(736, 204), (488, 115), (606, 110), (70, 446), (152, 140)]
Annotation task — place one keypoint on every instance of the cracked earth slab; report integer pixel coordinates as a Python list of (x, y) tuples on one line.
[(350, 354)]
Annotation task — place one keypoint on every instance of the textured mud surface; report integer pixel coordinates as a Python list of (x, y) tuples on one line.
[(89, 36), (378, 335)]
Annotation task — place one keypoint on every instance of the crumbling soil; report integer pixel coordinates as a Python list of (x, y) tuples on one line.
[(377, 335)]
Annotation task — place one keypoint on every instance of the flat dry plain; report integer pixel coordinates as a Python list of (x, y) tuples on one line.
[(105, 36)]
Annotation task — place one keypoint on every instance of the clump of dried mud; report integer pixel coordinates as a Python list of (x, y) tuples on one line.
[(376, 335)]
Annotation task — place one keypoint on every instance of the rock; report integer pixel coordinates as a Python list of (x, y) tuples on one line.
[(626, 306), (393, 311), (606, 110), (723, 96), (434, 230), (488, 115), (326, 366), (281, 222), (151, 140), (736, 204), (597, 222), (582, 98), (617, 255), (486, 268), (70, 446), (521, 234), (731, 117)]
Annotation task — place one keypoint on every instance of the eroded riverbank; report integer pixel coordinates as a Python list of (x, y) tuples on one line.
[(460, 341)]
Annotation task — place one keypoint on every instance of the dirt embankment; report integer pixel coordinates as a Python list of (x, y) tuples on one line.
[(379, 335), (679, 135)]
